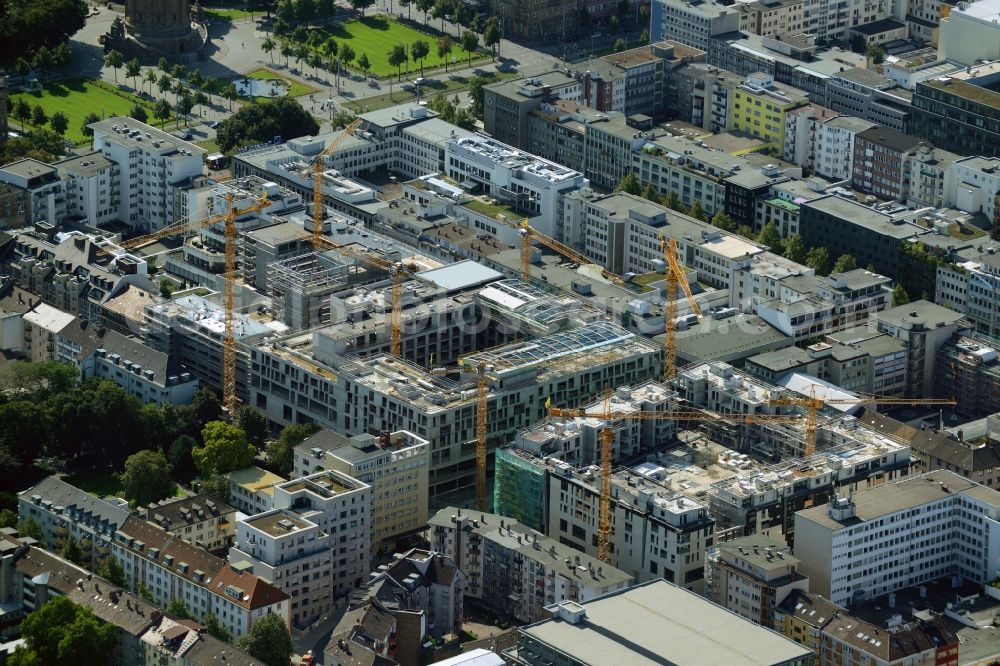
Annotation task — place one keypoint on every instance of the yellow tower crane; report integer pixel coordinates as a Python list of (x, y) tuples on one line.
[(812, 405), (317, 178), (482, 407), (529, 234), (675, 277), (607, 438)]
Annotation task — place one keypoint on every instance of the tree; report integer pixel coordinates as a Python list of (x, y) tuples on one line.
[(133, 68), (179, 91), (818, 259), (38, 116), (42, 62), (305, 10), (476, 95), (491, 35), (268, 47), (200, 99), (899, 295), (163, 84), (364, 64), (650, 193), (230, 93), (745, 230), (470, 43), (697, 212), (215, 629), (29, 527), (444, 47), (179, 72), (151, 79), (673, 201), (346, 54), (146, 478), (8, 518), (397, 56), (362, 5), (72, 551), (63, 632), (795, 249), (876, 54), (315, 61), (184, 106), (425, 6), (280, 453), (180, 458), (629, 184), (59, 123), (771, 237), (620, 45), (179, 609), (441, 9), (206, 406), (844, 263), (644, 38), (419, 50), (114, 60), (163, 65), (113, 571), (268, 641), (409, 8), (257, 123), (226, 449), (162, 111), (254, 424), (325, 8), (22, 67), (723, 221), (22, 110), (301, 53), (287, 51), (196, 79)]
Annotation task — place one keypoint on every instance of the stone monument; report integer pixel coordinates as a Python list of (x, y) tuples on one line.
[(153, 29)]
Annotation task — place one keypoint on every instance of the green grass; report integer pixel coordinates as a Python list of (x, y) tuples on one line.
[(237, 12), (647, 279), (491, 210), (101, 484), (78, 98), (451, 84), (376, 35), (296, 88), (211, 145)]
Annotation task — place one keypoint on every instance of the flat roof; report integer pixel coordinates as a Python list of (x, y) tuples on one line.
[(461, 275), (855, 213), (908, 493), (657, 623), (726, 339), (930, 315), (278, 523)]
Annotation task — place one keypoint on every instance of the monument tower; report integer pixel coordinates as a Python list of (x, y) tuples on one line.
[(159, 28)]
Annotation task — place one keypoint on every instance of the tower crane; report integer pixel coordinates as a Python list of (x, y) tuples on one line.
[(607, 437), (528, 234), (675, 277), (812, 405), (317, 178)]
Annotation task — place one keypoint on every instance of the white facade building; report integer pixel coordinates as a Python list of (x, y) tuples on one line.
[(152, 166), (45, 192), (834, 146), (971, 33), (91, 192), (693, 24), (974, 185), (900, 535)]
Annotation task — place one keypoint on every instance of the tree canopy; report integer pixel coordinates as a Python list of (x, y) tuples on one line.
[(63, 632), (27, 25), (146, 478), (844, 263), (260, 123), (280, 453), (268, 641), (629, 184), (225, 449)]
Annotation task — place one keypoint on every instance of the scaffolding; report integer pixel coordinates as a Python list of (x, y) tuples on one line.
[(519, 488), (301, 288)]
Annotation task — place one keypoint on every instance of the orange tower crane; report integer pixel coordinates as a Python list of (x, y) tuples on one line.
[(607, 437), (812, 405), (675, 277), (317, 177)]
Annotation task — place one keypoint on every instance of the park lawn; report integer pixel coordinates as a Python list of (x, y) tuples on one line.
[(297, 88), (376, 35), (79, 98), (101, 484)]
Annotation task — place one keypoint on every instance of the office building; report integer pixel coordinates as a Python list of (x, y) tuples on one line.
[(516, 570), (39, 187), (975, 185), (923, 327), (701, 94), (971, 285), (915, 530), (692, 24), (761, 107), (395, 465), (203, 520), (880, 164), (170, 568), (970, 34), (752, 575), (868, 95), (507, 105), (153, 166), (770, 17), (65, 512), (649, 624), (960, 112)]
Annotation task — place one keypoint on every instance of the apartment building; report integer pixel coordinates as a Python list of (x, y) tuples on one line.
[(395, 465), (693, 24), (752, 575), (251, 489), (49, 334), (360, 396), (971, 286), (426, 581), (960, 112), (203, 520), (915, 530), (923, 327), (91, 195), (929, 176), (760, 109), (171, 568), (801, 125), (880, 164), (655, 533), (507, 105), (65, 512), (40, 188), (532, 185), (516, 570), (149, 375), (651, 619), (701, 94), (758, 279), (808, 306), (970, 34), (834, 146), (293, 553), (153, 166)]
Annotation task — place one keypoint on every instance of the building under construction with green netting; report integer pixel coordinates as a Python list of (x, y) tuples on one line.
[(519, 488)]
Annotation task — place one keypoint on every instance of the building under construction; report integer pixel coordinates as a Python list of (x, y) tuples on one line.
[(968, 371)]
